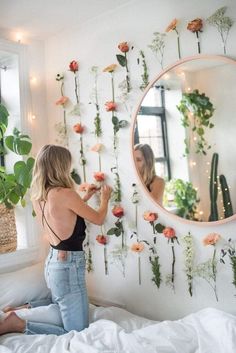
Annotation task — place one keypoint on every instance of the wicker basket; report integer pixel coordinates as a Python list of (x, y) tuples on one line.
[(8, 234)]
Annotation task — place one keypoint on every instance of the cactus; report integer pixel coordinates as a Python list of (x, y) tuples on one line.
[(213, 188), (228, 210)]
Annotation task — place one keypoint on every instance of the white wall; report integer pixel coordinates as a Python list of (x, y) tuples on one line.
[(96, 44)]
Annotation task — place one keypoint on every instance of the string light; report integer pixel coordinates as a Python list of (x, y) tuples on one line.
[(19, 37), (33, 80)]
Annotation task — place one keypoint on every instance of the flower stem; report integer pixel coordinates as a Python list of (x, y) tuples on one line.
[(139, 269), (76, 90), (105, 260), (127, 74), (173, 267), (100, 162), (198, 42), (178, 42)]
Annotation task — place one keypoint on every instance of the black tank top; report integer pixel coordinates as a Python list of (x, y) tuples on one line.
[(75, 241)]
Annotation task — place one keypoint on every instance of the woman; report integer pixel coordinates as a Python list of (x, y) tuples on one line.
[(62, 212), (145, 162)]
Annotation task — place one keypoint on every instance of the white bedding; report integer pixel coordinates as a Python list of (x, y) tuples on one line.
[(114, 330)]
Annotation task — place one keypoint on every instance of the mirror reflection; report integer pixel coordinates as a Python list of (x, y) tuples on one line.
[(184, 139)]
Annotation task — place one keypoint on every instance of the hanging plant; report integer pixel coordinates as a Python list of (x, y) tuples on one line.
[(197, 110), (222, 23), (195, 26), (144, 76), (173, 27), (123, 61), (158, 46), (151, 217), (155, 264)]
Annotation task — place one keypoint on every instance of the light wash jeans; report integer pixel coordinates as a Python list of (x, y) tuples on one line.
[(66, 279)]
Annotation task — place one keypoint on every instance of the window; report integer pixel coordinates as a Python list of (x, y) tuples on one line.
[(14, 94), (151, 129)]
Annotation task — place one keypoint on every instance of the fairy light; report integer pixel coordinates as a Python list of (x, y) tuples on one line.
[(33, 80), (19, 37)]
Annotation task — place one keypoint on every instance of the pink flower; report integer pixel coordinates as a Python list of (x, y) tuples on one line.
[(102, 239), (118, 211), (99, 176), (74, 66), (110, 106), (169, 233), (84, 186), (62, 100), (150, 216), (211, 239), (137, 247), (78, 128), (97, 148), (123, 47)]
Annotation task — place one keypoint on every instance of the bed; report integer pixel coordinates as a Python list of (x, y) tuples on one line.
[(112, 329), (115, 330)]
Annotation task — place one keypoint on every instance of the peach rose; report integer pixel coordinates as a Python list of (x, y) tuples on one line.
[(169, 232), (102, 239), (78, 128), (97, 148), (211, 239), (150, 216), (74, 66), (123, 47), (172, 25), (62, 100), (110, 68), (137, 247), (110, 106), (195, 25), (118, 211), (99, 176)]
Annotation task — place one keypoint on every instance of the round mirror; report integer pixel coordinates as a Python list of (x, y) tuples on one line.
[(184, 135)]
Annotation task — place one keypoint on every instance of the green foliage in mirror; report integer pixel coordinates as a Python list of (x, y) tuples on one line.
[(196, 110), (184, 197), (214, 188)]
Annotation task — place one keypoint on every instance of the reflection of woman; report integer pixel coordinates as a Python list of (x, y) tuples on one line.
[(62, 213), (145, 161)]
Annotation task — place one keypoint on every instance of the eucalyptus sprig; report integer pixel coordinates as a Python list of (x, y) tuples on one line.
[(144, 75), (189, 253), (230, 250)]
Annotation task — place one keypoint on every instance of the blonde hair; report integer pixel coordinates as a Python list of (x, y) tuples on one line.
[(51, 170), (148, 172)]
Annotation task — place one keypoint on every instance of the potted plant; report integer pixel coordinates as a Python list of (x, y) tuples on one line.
[(14, 184)]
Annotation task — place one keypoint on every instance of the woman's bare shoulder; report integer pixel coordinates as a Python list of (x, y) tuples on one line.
[(158, 181)]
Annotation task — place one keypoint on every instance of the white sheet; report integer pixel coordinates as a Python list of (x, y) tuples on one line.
[(117, 331)]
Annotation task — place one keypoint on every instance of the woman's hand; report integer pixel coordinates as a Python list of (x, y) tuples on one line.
[(106, 191), (91, 190)]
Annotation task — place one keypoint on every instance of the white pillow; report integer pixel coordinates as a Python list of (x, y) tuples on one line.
[(19, 287)]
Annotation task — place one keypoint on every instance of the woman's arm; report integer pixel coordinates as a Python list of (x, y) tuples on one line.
[(76, 204)]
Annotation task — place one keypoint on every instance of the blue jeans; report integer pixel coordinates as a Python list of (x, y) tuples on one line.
[(66, 279)]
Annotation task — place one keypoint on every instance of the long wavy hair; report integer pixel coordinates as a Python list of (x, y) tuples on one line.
[(148, 171), (51, 170)]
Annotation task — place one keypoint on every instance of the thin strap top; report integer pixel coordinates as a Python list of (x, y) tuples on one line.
[(75, 241)]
